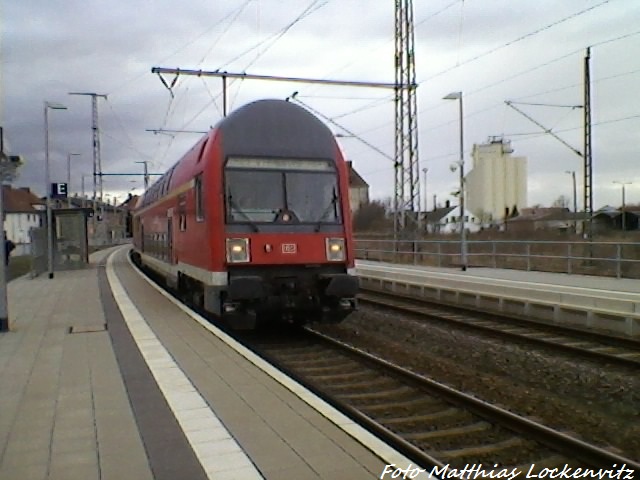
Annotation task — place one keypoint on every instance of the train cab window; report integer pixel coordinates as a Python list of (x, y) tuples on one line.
[(199, 193), (259, 190)]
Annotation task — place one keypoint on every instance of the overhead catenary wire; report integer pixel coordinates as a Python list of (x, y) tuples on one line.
[(182, 47), (311, 8), (511, 77), (520, 38), (515, 40), (373, 147)]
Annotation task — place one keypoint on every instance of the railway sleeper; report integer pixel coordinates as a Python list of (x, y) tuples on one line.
[(348, 378), (376, 395), (429, 417), (477, 451), (466, 430), (411, 403)]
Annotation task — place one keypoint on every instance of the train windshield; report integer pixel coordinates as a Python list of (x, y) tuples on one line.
[(275, 190)]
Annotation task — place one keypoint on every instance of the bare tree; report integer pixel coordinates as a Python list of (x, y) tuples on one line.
[(371, 216), (561, 201)]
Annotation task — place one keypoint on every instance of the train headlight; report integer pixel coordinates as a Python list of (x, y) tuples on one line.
[(335, 249), (237, 250)]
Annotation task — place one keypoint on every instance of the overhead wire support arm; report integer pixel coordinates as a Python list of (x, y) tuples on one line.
[(248, 76), (169, 87), (545, 129), (169, 131)]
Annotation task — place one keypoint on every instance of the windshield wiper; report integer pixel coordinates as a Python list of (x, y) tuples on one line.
[(237, 209), (333, 204)]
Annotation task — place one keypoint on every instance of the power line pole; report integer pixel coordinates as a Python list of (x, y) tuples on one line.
[(146, 174), (407, 168), (97, 162), (588, 166)]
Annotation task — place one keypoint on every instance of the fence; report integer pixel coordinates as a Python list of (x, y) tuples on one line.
[(612, 259)]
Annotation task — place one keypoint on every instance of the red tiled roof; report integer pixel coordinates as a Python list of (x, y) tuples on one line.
[(19, 199)]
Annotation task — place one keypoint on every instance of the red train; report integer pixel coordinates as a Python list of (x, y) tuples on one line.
[(253, 223)]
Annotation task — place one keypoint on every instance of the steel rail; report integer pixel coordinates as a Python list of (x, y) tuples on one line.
[(416, 306), (570, 446)]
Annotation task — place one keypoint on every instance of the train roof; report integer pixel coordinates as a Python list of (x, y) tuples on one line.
[(264, 128), (276, 128)]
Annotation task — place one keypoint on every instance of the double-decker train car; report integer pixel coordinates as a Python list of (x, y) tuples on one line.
[(253, 223)]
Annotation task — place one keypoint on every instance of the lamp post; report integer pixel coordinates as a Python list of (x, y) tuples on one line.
[(575, 200), (69, 155), (624, 222), (424, 188), (47, 106), (463, 234)]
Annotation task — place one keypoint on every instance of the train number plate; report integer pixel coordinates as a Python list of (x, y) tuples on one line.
[(289, 248)]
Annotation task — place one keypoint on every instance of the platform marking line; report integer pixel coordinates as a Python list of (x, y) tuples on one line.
[(217, 451), (378, 447)]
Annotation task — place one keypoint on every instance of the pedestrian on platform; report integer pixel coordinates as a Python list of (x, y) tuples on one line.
[(9, 247)]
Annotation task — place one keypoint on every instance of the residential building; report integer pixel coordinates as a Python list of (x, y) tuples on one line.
[(358, 189), (609, 218), (446, 220), (546, 218), (497, 183), (23, 211)]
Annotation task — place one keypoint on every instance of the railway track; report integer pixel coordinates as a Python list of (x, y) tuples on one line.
[(604, 348), (434, 425), (431, 423)]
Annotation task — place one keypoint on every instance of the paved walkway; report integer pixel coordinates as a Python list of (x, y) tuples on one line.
[(83, 394), (64, 410)]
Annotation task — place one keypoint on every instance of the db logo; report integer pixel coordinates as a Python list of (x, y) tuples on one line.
[(289, 248)]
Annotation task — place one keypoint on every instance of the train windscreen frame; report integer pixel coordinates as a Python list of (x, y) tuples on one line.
[(276, 190)]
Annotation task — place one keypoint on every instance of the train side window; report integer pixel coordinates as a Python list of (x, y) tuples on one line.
[(199, 199)]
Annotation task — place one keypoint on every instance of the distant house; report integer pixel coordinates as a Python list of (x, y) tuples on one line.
[(546, 218), (358, 189), (610, 218), (23, 211), (447, 220)]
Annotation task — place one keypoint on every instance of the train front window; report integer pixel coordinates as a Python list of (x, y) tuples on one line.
[(272, 190)]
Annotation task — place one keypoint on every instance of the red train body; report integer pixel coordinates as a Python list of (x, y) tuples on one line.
[(254, 221)]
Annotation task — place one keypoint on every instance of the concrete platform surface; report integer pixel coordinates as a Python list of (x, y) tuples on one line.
[(105, 377)]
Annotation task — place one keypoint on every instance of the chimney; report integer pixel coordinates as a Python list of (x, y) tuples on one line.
[(25, 189), (447, 204)]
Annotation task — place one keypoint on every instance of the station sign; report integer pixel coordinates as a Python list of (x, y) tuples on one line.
[(58, 190)]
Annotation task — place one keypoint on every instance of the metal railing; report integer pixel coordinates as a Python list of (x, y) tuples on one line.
[(611, 259)]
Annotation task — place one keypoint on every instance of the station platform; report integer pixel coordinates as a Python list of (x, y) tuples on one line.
[(103, 376), (590, 302)]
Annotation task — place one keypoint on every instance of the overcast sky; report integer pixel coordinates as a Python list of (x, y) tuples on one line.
[(491, 50)]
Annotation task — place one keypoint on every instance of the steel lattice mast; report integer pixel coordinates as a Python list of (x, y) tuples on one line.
[(588, 166), (407, 169), (97, 161)]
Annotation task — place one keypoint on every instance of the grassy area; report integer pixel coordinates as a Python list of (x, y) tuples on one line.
[(18, 266)]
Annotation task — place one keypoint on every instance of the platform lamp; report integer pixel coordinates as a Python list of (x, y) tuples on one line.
[(424, 188), (624, 222), (47, 106), (463, 235)]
